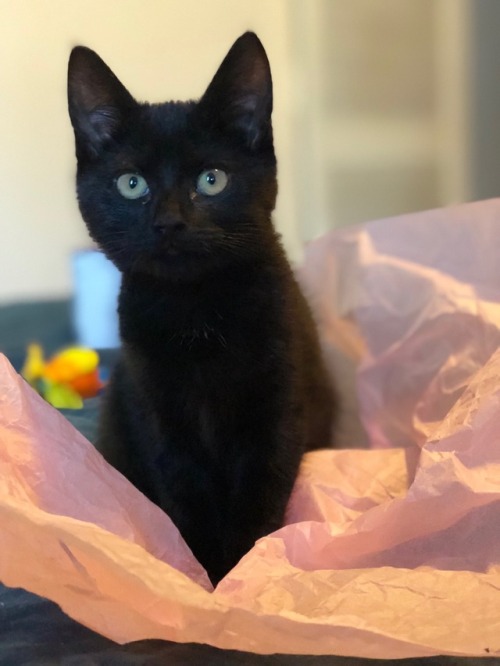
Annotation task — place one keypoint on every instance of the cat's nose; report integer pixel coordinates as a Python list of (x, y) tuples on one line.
[(168, 227)]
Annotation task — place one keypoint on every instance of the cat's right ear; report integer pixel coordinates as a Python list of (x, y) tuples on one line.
[(98, 103)]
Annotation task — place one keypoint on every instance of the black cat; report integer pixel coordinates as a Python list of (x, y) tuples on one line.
[(220, 388)]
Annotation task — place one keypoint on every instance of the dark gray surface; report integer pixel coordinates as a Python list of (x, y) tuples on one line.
[(484, 99), (45, 322)]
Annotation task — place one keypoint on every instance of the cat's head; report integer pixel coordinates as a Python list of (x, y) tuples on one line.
[(177, 189)]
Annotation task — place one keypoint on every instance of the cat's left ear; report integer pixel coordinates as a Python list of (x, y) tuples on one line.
[(240, 96)]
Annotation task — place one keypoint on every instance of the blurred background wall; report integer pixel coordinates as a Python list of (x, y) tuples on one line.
[(381, 107)]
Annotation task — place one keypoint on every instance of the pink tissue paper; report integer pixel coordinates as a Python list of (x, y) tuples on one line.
[(388, 552)]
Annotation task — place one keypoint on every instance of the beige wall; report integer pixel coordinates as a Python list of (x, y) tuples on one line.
[(384, 95), (160, 49)]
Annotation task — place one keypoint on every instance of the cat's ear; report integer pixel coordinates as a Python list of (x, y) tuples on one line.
[(240, 96), (97, 101)]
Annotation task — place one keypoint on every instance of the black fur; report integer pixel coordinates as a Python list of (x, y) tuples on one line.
[(220, 388)]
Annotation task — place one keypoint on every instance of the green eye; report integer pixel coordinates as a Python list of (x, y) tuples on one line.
[(132, 186), (211, 182)]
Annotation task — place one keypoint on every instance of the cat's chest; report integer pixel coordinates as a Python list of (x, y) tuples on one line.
[(197, 401), (201, 361), (203, 384)]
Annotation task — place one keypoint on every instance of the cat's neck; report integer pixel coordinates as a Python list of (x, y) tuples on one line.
[(154, 310)]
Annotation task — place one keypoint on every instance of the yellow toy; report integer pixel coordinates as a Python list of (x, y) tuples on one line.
[(66, 378)]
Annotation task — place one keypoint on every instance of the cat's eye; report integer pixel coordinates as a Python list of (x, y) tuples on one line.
[(132, 186), (211, 182)]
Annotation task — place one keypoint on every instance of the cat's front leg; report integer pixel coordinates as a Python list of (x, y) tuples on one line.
[(257, 502)]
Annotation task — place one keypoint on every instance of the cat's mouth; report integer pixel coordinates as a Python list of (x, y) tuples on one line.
[(172, 250), (172, 261), (176, 249)]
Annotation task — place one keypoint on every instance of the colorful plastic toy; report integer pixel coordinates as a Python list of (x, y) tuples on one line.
[(65, 379)]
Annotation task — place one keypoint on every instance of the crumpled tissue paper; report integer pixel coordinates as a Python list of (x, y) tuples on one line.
[(389, 552)]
